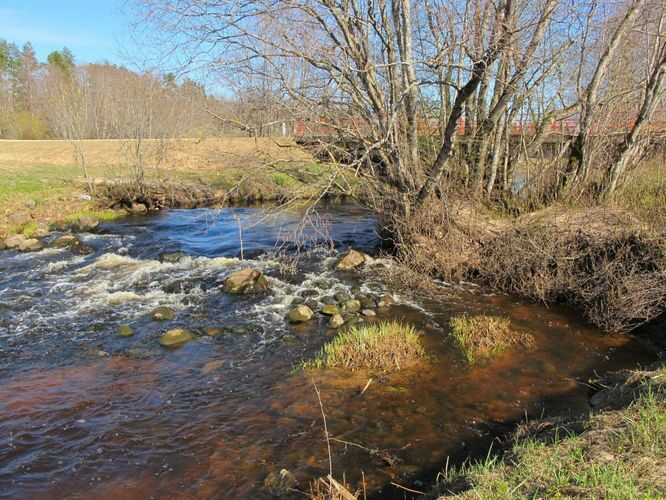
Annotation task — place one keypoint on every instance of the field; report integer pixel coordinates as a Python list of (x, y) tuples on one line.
[(42, 179)]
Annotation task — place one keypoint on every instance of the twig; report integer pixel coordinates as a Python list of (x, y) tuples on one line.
[(407, 489), (328, 441), (366, 387)]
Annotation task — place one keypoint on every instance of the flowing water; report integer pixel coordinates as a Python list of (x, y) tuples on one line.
[(86, 413)]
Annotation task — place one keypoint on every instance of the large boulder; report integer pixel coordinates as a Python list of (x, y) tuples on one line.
[(352, 306), (330, 310), (138, 209), (14, 241), (301, 314), (352, 260), (66, 240), (31, 245), (176, 337), (84, 224), (336, 321), (246, 281)]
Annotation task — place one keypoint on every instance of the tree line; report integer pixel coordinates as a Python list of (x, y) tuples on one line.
[(60, 99)]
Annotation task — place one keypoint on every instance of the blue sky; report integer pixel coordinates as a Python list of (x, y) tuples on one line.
[(94, 30)]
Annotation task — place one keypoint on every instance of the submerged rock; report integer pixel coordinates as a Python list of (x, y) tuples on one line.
[(352, 260), (301, 314), (213, 331), (31, 245), (336, 321), (66, 240), (280, 483), (246, 281), (176, 337), (85, 223), (330, 310), (163, 313), (125, 331)]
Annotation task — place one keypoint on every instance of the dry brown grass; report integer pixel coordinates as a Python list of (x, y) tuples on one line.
[(187, 155)]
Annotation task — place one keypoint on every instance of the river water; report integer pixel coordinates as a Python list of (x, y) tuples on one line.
[(85, 413)]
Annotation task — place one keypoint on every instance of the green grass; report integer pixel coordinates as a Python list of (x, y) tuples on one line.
[(103, 215), (382, 346), (622, 454), (482, 337)]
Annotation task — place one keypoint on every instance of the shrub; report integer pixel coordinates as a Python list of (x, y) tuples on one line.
[(383, 346), (484, 336)]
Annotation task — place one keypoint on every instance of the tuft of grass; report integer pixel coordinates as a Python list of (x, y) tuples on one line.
[(483, 336), (103, 215), (382, 346), (620, 455)]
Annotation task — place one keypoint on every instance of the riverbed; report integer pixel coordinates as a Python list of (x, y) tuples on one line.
[(85, 412)]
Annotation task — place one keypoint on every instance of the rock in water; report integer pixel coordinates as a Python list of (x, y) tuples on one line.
[(176, 337), (163, 313), (352, 306), (31, 245), (67, 240), (280, 483), (386, 301), (330, 310), (125, 331), (138, 208), (336, 321), (14, 241), (81, 249), (245, 281), (352, 260), (301, 314), (368, 312), (172, 257), (214, 331), (85, 223)]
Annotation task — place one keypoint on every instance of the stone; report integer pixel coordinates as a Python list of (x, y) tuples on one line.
[(386, 301), (368, 313), (176, 337), (329, 300), (213, 331), (352, 306), (138, 208), (66, 240), (366, 302), (82, 249), (342, 297), (125, 331), (245, 281), (330, 310), (18, 220), (309, 293), (280, 483), (351, 261), (31, 245), (172, 257), (312, 304), (14, 241), (336, 321), (163, 313), (300, 314), (85, 223), (31, 204), (178, 286), (42, 231)]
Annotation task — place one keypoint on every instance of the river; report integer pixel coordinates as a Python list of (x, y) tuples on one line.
[(86, 413)]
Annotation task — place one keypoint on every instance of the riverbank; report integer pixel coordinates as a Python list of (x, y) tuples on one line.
[(42, 183), (617, 452)]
